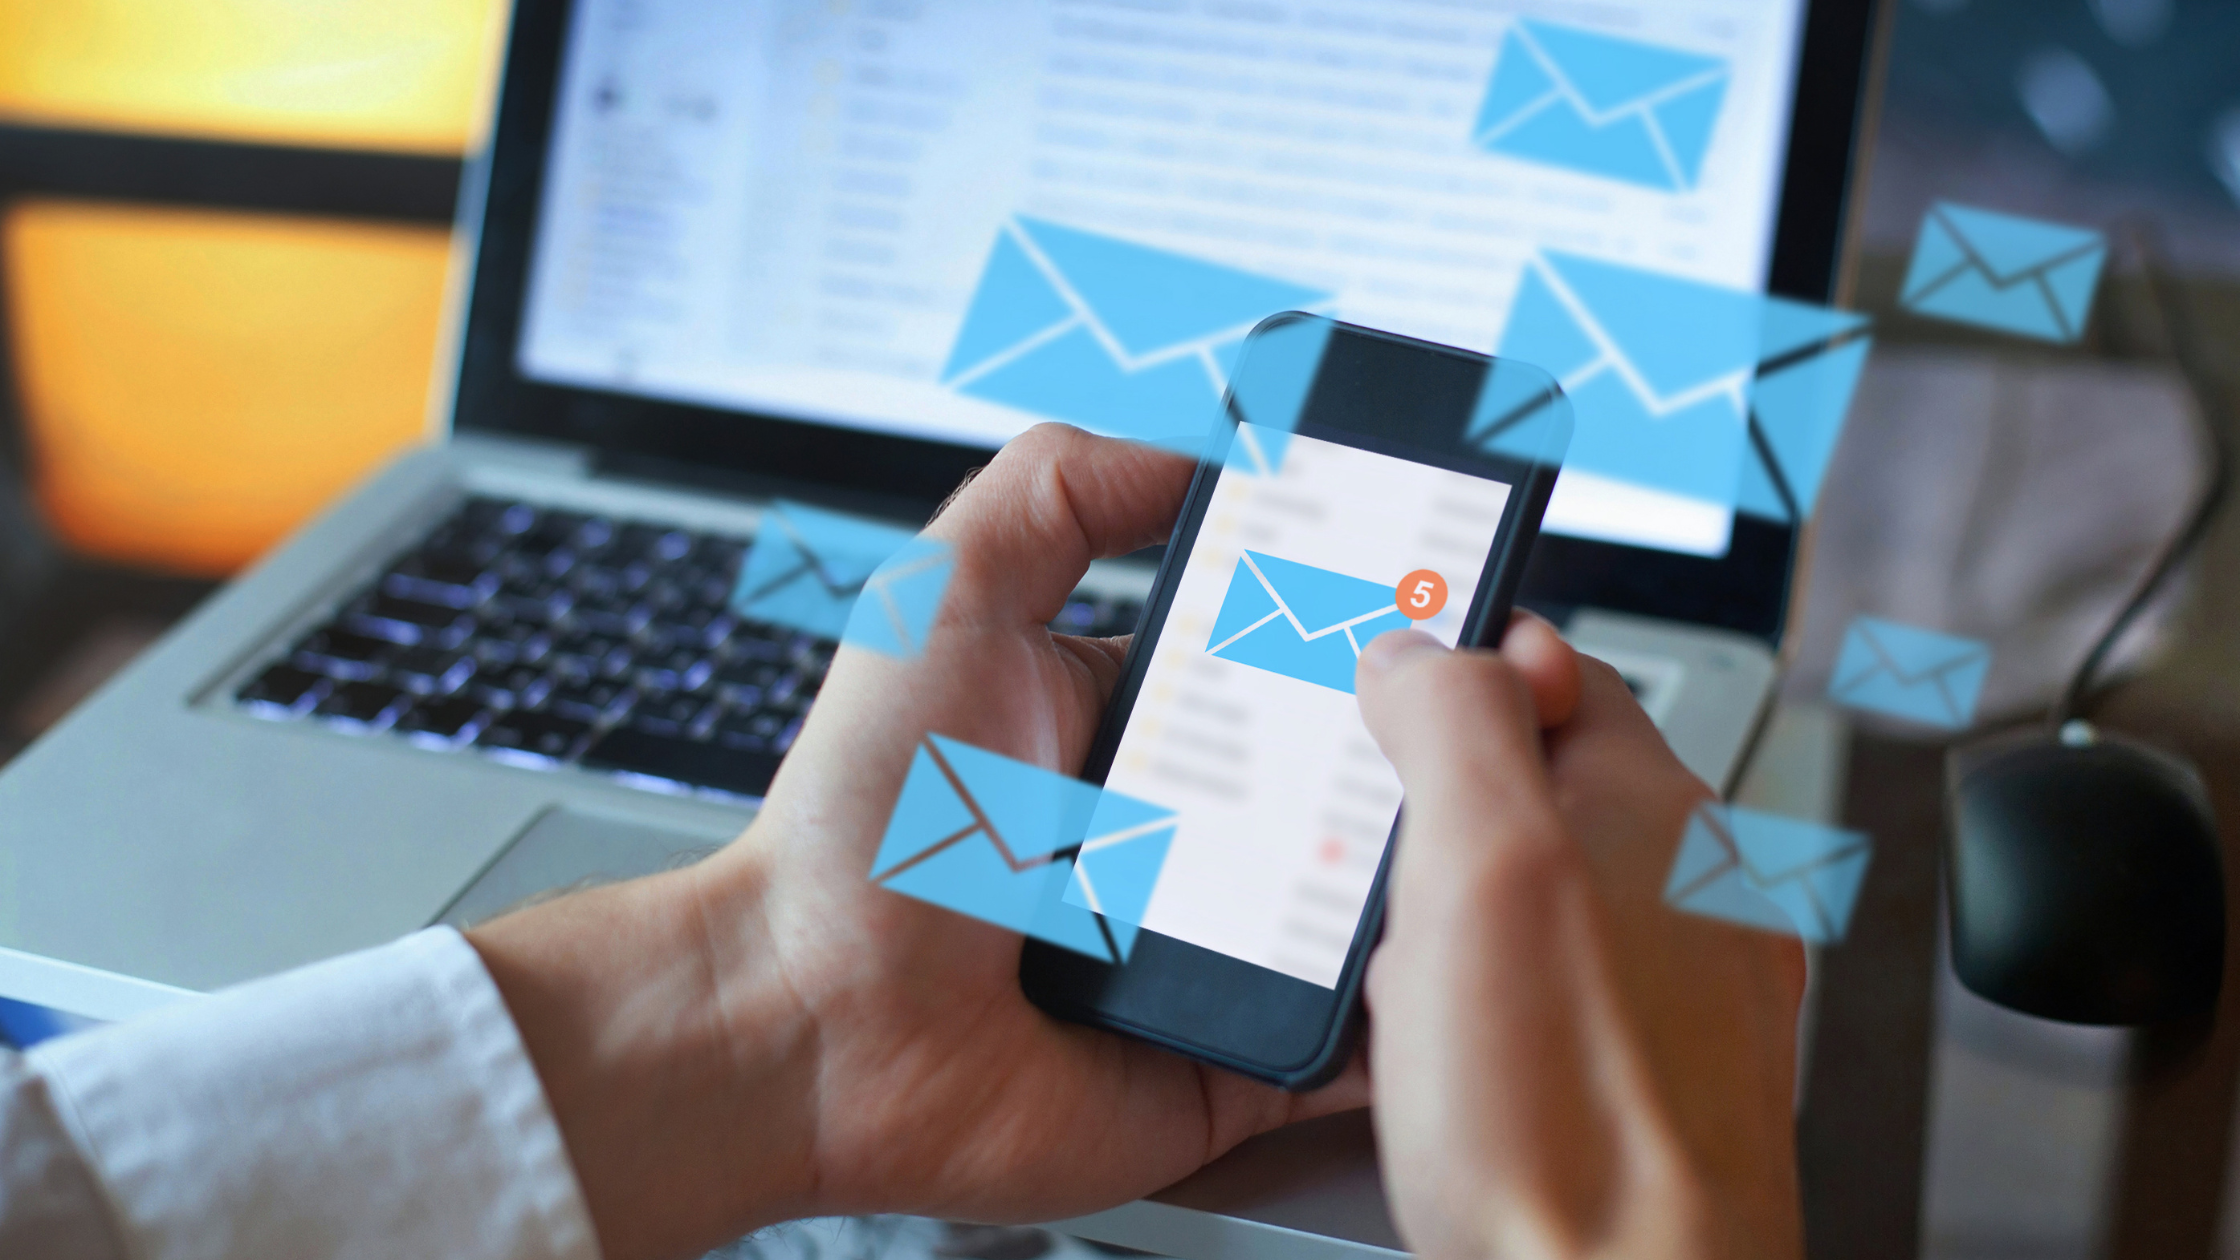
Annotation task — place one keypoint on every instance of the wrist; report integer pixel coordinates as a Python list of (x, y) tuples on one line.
[(676, 1062)]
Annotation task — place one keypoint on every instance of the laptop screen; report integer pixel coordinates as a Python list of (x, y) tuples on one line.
[(953, 221)]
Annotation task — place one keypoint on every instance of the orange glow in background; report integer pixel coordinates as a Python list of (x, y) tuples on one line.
[(195, 384), (386, 74)]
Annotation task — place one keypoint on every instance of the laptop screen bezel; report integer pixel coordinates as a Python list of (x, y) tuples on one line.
[(748, 452)]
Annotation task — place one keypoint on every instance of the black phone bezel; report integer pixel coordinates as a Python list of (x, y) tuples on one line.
[(1195, 1001)]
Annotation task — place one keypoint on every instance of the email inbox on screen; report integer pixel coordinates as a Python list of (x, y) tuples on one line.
[(1247, 726)]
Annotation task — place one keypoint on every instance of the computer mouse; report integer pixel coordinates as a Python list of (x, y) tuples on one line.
[(2083, 879)]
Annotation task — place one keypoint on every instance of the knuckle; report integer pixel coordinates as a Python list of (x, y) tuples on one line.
[(1059, 441), (1040, 447)]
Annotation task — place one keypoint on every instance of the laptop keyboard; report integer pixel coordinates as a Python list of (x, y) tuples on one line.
[(550, 638)]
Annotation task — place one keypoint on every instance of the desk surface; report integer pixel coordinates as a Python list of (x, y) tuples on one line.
[(1937, 1124)]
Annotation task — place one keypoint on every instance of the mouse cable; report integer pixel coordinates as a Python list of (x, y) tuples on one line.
[(2182, 335)]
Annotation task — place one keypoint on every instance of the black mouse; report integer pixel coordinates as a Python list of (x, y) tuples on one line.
[(2083, 879)]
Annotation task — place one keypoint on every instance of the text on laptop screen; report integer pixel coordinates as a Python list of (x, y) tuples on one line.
[(955, 220)]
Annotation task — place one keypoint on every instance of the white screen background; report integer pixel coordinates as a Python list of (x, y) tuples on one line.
[(1284, 802)]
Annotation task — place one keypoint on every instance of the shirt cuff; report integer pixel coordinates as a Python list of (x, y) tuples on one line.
[(379, 1104)]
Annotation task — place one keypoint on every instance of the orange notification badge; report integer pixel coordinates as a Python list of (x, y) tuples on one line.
[(1421, 594)]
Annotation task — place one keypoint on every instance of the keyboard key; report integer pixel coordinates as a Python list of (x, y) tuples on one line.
[(363, 703), (665, 595), (812, 672), (759, 641), (698, 629), (342, 654), (596, 583), (546, 735), (719, 555), (594, 535), (683, 761), (588, 702), (511, 521), (518, 688), (555, 530), (671, 715), (442, 719), (756, 674), (654, 544), (409, 621), (750, 732), (496, 647), (780, 694), (283, 691), (1075, 618), (675, 671), (620, 623), (447, 576), (430, 672), (541, 606)]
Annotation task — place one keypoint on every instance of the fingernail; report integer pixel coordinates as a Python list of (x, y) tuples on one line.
[(1394, 646)]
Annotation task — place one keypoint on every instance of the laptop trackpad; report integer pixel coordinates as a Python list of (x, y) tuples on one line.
[(565, 849)]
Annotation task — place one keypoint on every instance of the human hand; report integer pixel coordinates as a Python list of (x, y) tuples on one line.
[(1565, 1066), (948, 1093), (770, 1035)]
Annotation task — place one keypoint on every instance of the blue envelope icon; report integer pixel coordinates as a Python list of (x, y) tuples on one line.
[(1107, 334), (1768, 872), (1601, 105), (1658, 370), (2005, 273), (1300, 621), (1907, 672), (1809, 360), (1120, 859), (900, 600), (986, 836), (843, 577)]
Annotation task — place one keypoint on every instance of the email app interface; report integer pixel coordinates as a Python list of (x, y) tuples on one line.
[(1247, 725), (956, 220)]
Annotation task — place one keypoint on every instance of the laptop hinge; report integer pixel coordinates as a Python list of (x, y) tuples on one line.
[(734, 483)]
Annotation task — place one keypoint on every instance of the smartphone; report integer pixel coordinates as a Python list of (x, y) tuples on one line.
[(1358, 482)]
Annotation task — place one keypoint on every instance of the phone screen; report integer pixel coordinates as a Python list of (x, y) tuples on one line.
[(1246, 724), (1359, 483)]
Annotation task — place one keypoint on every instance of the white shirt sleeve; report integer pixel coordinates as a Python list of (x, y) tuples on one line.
[(379, 1104)]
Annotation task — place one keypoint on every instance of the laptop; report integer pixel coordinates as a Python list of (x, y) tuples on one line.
[(716, 257)]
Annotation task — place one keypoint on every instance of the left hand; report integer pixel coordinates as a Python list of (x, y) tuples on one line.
[(769, 1035), (946, 1092)]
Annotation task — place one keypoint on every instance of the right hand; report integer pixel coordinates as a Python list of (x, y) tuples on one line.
[(1564, 1066)]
